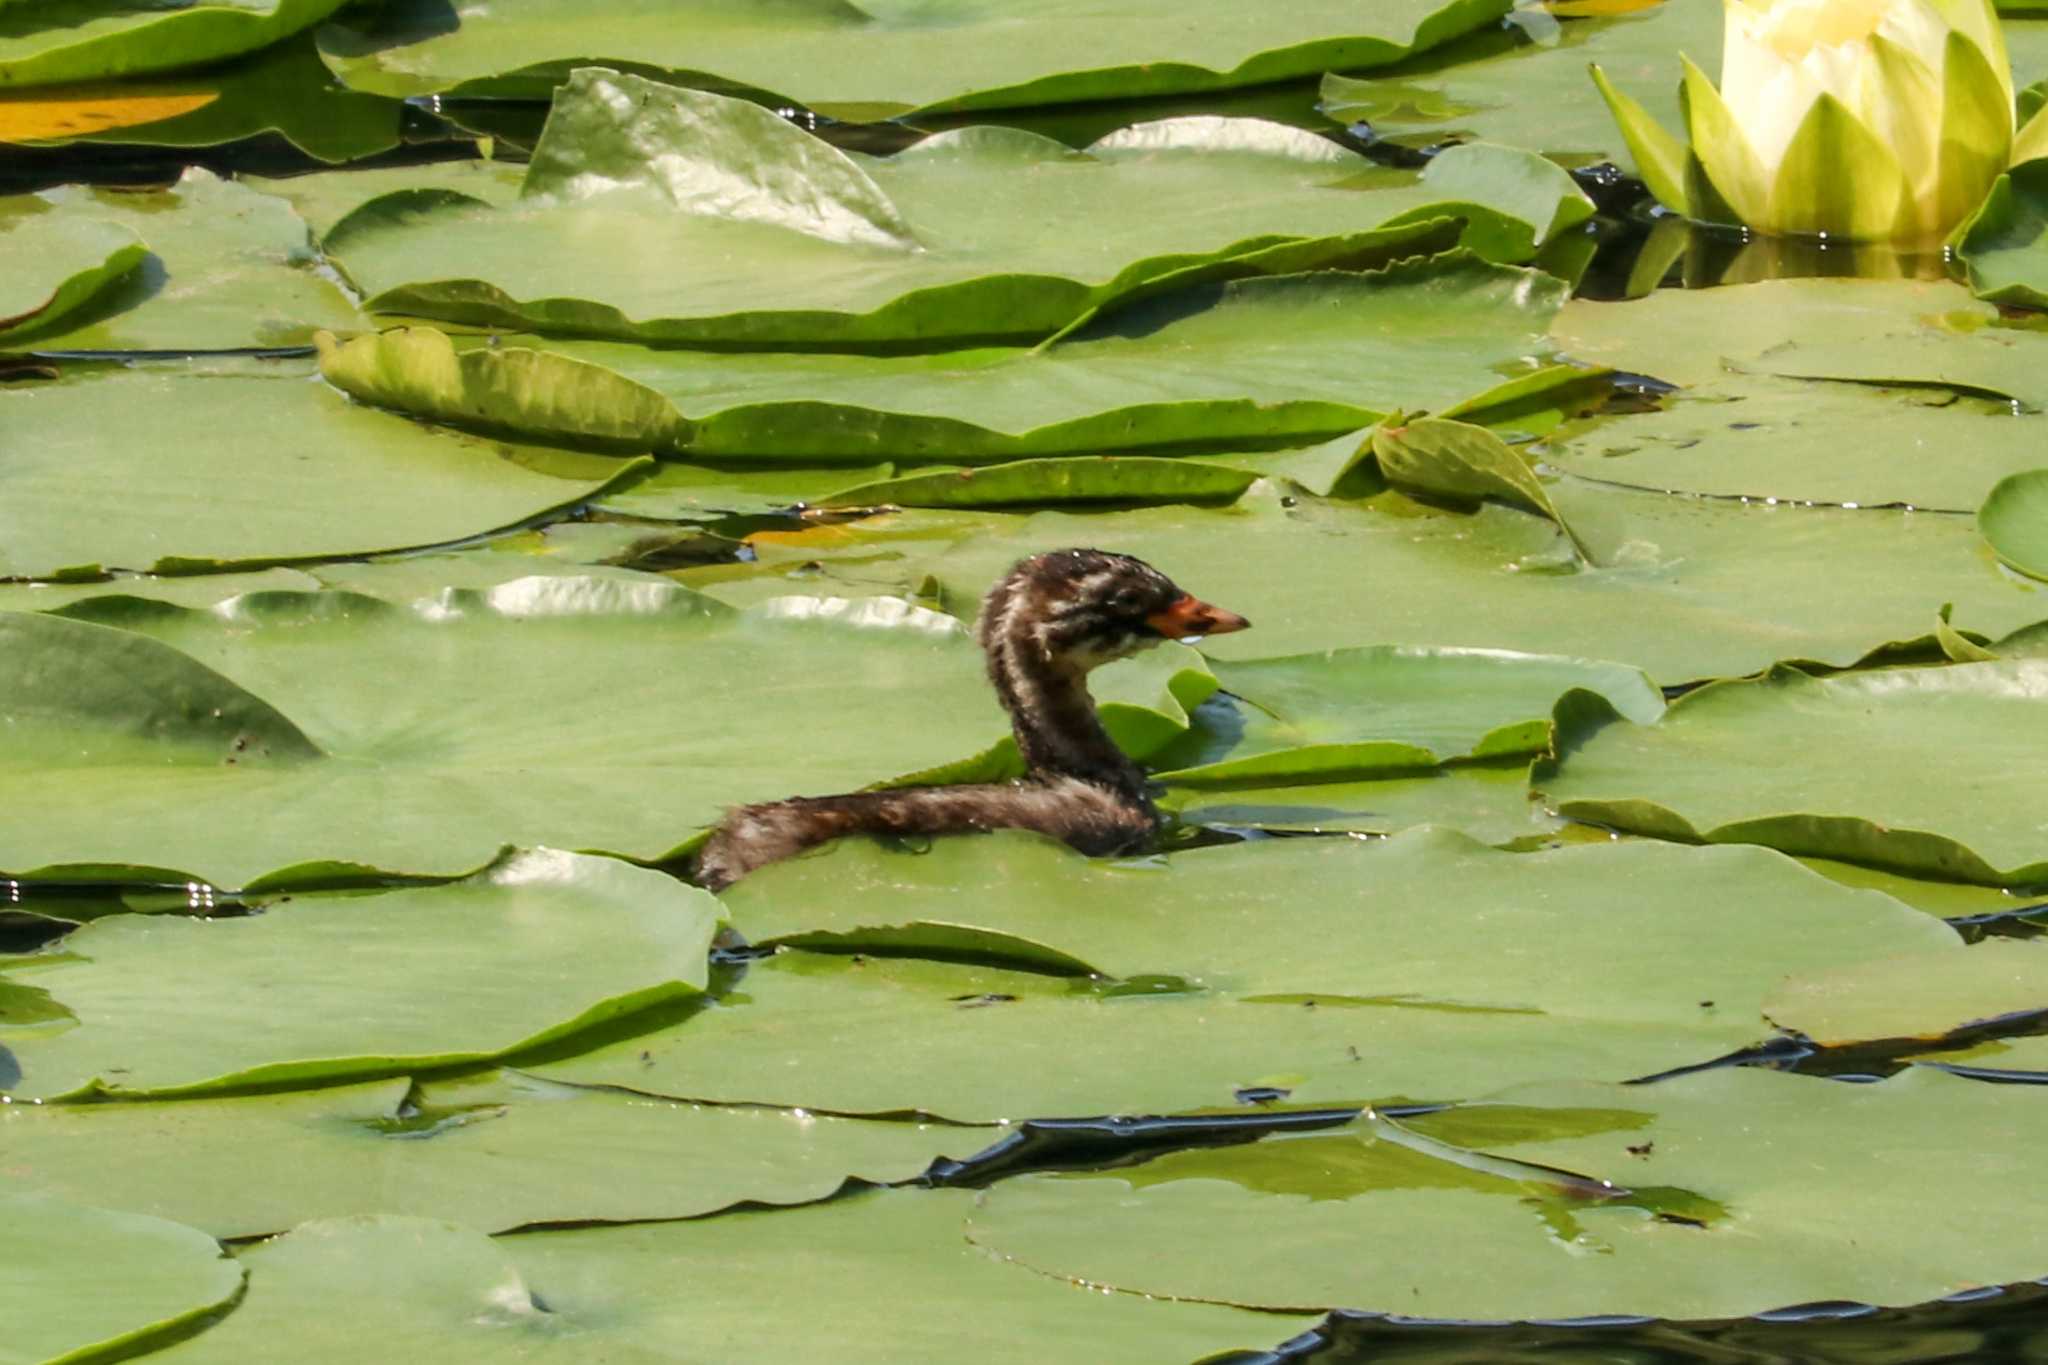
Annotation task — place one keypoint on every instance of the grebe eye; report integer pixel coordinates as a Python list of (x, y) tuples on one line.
[(1127, 599)]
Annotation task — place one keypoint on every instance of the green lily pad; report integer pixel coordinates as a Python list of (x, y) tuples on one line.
[(2014, 520), (1334, 715), (777, 239), (1490, 802), (1834, 767), (400, 779), (170, 486), (55, 266), (229, 269), (77, 1281), (1080, 479), (1485, 87), (324, 198), (1685, 589), (440, 1291), (1279, 360), (1948, 900), (1439, 460), (1856, 445), (456, 973), (1691, 336), (45, 45), (496, 1151), (1996, 1059), (1332, 971), (2002, 244), (913, 58), (1730, 1193), (1922, 995), (676, 491)]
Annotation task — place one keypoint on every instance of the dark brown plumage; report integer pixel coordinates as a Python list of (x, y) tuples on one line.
[(1051, 619)]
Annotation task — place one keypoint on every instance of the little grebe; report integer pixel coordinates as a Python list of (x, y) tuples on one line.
[(1050, 620)]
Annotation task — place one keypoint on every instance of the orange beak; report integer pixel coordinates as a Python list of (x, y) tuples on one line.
[(1192, 616)]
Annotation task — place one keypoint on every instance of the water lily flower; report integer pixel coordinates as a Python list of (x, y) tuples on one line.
[(1865, 119)]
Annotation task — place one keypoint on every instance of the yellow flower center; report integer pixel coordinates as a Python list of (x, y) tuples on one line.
[(1794, 28)]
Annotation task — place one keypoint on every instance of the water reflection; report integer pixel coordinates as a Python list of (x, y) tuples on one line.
[(1662, 251)]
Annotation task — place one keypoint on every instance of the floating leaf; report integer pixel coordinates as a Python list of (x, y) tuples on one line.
[(38, 47), (1359, 982), (1924, 995), (1279, 360), (776, 239), (1440, 460), (1732, 1192), (171, 486), (1082, 479), (229, 269), (1328, 715), (978, 56), (77, 1281), (535, 752), (1760, 437), (2014, 519), (54, 266), (452, 1293), (496, 1151), (442, 975), (1836, 767)]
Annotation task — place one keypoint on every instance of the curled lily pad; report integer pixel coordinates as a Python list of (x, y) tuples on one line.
[(2014, 519), (1273, 361), (124, 38), (1834, 767), (1345, 713), (55, 266), (1082, 479)]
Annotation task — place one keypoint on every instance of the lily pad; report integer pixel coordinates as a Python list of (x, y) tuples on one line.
[(1731, 1192), (1922, 995), (1855, 445), (440, 1291), (1279, 360), (54, 266), (2022, 1059), (1835, 767), (913, 58), (775, 238), (134, 468), (1691, 336), (457, 973), (283, 89), (77, 1281), (1332, 715), (2014, 520), (1686, 589), (496, 1151), (43, 45), (2002, 244), (1079, 479), (1485, 86), (401, 779), (229, 269), (1490, 802), (1332, 971)]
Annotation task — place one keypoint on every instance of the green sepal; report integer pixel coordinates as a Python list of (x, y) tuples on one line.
[(1659, 156), (1976, 131), (1837, 179), (1724, 179)]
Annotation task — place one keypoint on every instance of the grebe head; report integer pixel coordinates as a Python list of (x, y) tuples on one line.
[(1079, 609)]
